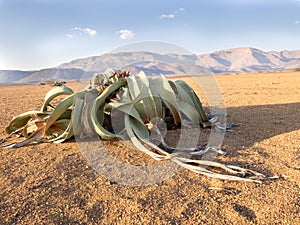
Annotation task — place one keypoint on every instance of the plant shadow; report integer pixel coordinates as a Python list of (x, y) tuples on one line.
[(261, 122)]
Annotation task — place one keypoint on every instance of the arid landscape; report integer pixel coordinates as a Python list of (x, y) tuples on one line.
[(54, 184)]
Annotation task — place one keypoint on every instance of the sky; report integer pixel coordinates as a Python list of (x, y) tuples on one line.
[(36, 34)]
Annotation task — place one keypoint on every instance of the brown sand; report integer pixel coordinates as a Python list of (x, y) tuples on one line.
[(53, 184)]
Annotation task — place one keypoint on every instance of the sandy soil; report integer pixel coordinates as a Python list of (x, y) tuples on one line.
[(54, 184)]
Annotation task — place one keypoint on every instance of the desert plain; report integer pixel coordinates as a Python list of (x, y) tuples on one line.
[(54, 184)]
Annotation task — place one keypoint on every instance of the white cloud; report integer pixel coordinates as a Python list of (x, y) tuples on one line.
[(172, 15), (80, 30), (86, 30), (297, 22), (126, 34), (180, 10), (90, 32), (167, 16), (69, 35)]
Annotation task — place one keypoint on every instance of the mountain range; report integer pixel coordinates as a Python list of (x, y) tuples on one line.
[(236, 60)]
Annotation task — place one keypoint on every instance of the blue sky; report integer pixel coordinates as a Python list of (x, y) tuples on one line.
[(37, 34)]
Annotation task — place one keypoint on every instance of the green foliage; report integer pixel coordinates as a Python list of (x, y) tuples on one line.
[(139, 99)]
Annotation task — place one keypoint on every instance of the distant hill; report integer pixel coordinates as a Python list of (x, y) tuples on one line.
[(234, 60), (11, 76), (224, 61), (56, 74), (250, 60)]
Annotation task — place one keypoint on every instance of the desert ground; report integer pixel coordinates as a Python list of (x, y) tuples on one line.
[(54, 184)]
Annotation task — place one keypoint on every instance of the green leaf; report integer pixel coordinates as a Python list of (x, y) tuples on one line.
[(59, 110), (161, 87), (188, 112), (53, 93), (22, 119), (187, 94), (86, 122), (98, 105), (130, 126)]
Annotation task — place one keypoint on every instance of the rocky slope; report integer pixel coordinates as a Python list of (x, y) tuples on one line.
[(224, 61)]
